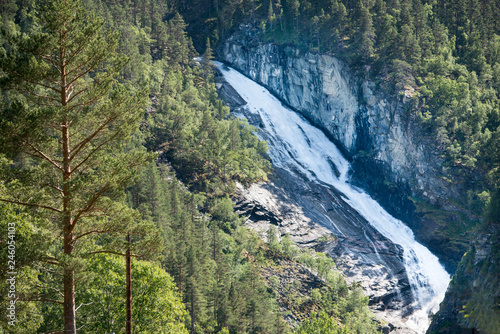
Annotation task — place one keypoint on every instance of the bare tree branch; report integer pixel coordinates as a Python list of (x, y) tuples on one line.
[(78, 93), (83, 304)]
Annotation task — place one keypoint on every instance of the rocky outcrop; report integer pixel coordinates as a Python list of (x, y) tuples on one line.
[(391, 158), (307, 212), (289, 281)]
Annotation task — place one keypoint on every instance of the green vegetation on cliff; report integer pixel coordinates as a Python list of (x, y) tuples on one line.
[(443, 58), (474, 295)]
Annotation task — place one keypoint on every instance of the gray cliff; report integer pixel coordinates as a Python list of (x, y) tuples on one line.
[(391, 158), (309, 212)]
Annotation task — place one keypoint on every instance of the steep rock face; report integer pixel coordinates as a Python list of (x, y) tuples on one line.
[(390, 158), (307, 212), (310, 210)]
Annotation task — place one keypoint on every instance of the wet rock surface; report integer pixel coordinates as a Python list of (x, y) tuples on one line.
[(309, 211), (383, 140)]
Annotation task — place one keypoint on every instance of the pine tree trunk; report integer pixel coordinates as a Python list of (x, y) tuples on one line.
[(129, 287), (69, 288), (69, 273)]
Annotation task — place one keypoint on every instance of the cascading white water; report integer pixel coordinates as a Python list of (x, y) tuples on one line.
[(297, 146)]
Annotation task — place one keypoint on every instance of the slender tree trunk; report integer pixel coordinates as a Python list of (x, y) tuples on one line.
[(215, 241), (128, 261), (69, 289), (192, 310), (69, 272)]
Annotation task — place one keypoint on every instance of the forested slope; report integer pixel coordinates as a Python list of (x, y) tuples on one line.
[(444, 56), (115, 145)]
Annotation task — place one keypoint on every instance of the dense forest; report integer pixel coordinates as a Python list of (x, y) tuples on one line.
[(117, 163), (117, 156)]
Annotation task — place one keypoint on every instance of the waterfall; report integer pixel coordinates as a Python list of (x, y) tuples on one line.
[(299, 147)]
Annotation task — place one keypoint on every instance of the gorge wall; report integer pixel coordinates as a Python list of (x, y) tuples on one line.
[(302, 200), (391, 158)]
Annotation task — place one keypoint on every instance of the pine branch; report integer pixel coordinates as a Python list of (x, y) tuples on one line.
[(43, 268), (116, 253), (92, 232), (77, 51), (93, 151), (29, 204), (82, 105), (55, 188), (76, 149), (40, 96), (39, 156), (89, 206), (51, 288), (43, 155), (78, 93), (36, 83)]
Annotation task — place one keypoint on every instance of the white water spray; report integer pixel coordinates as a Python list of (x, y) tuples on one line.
[(297, 146)]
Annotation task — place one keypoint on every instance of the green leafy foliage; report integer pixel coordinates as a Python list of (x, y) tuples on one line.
[(157, 306), (193, 130), (177, 209), (342, 308), (321, 324), (65, 122), (27, 239), (211, 257)]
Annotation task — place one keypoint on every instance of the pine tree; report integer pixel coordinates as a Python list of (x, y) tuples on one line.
[(66, 122), (366, 35), (207, 59)]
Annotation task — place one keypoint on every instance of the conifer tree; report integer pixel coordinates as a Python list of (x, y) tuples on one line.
[(66, 121), (366, 34)]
